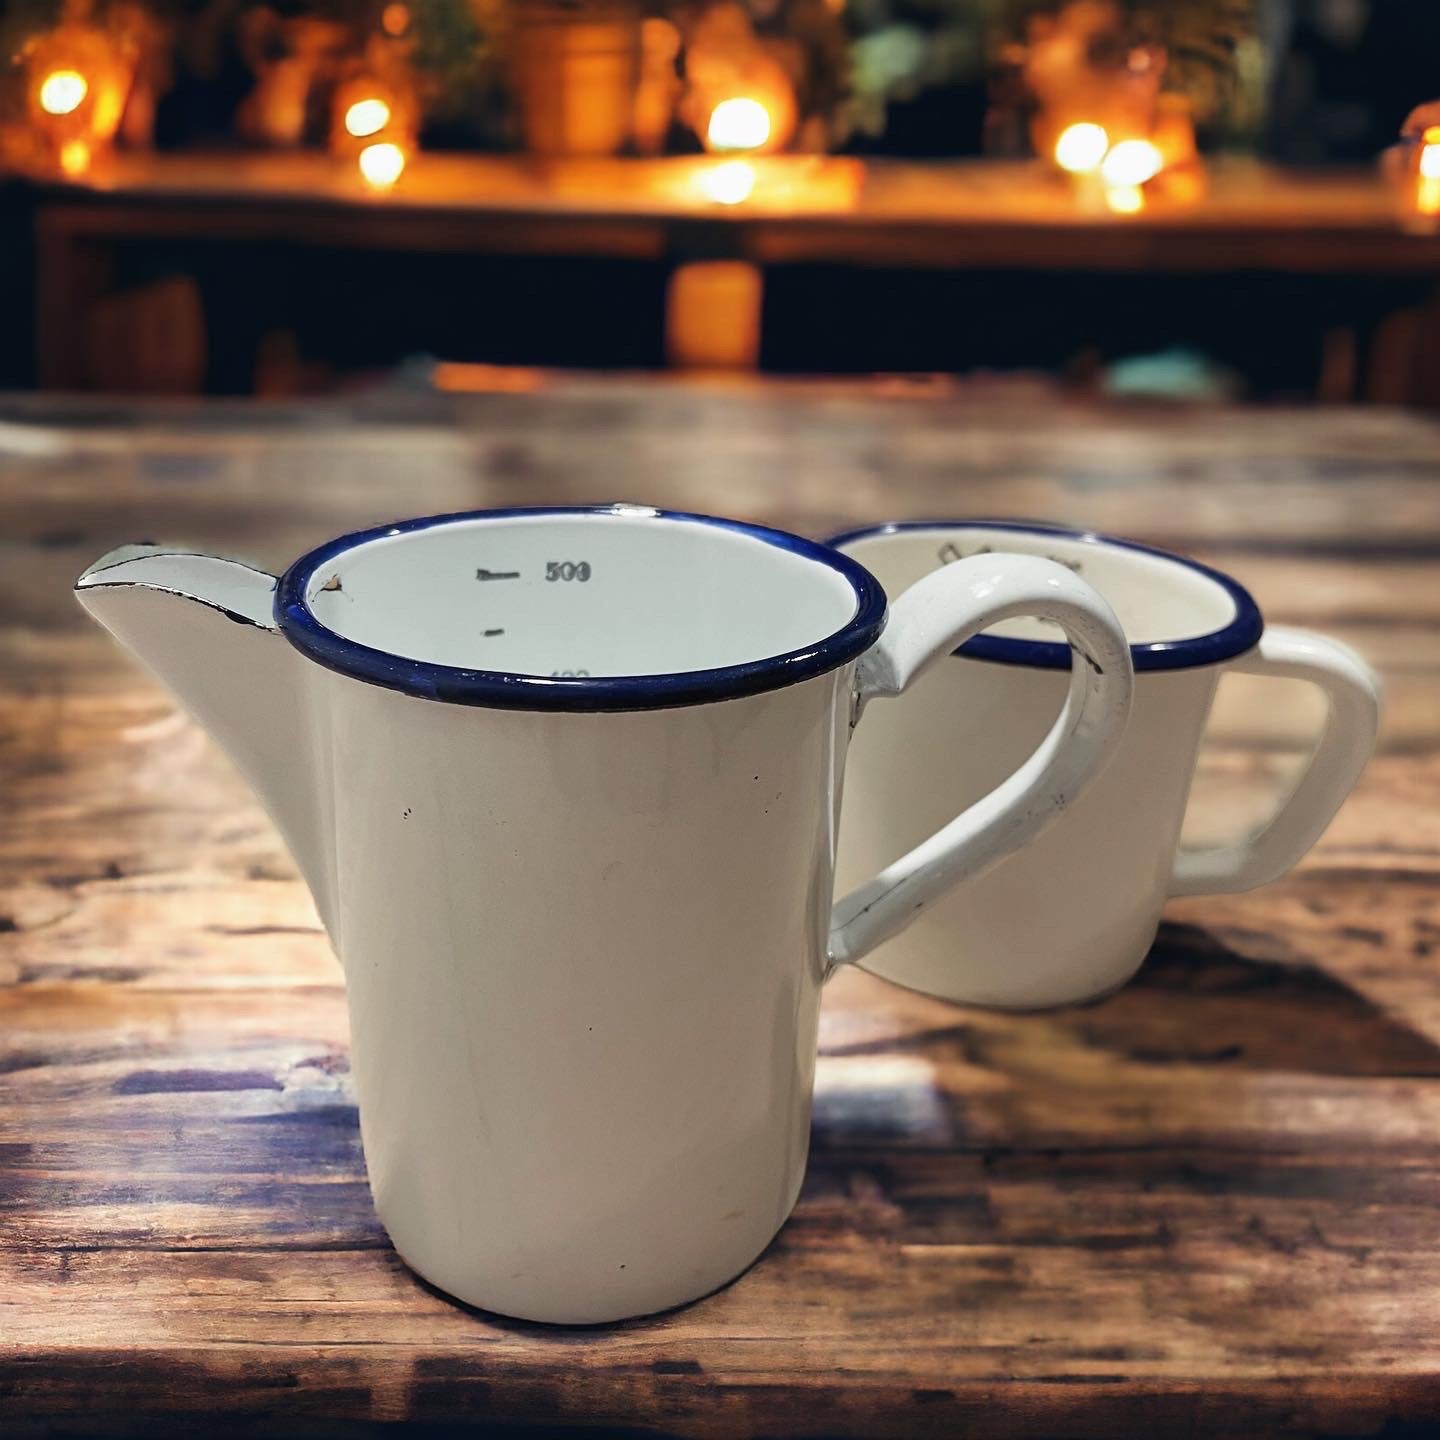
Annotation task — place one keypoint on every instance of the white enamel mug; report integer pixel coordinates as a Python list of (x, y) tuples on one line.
[(565, 785), (1073, 916)]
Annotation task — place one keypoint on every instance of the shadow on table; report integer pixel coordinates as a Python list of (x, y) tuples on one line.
[(1199, 1000)]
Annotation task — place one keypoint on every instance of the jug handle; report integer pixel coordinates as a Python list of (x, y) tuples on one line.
[(927, 623), (1352, 693)]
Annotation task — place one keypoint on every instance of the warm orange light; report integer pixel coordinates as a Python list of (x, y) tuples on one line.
[(468, 377), (1431, 135), (1430, 161), (367, 117), (1125, 199), (395, 18), (75, 157), (1427, 196), (382, 164), (1081, 148), (712, 315), (738, 124), (63, 91), (728, 183), (1131, 162)]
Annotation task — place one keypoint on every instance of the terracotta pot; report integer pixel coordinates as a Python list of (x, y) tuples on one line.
[(575, 72)]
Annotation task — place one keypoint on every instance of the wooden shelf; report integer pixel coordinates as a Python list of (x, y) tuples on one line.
[(963, 216), (832, 208)]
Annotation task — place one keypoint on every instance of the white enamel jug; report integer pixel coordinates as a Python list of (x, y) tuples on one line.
[(565, 785), (1074, 916)]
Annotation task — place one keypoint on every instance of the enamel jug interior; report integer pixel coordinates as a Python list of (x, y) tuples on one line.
[(1157, 599), (571, 594)]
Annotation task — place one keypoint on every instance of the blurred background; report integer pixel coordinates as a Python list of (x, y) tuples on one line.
[(1214, 198)]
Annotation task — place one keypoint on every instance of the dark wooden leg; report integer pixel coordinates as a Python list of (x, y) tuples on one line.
[(1425, 389), (72, 272)]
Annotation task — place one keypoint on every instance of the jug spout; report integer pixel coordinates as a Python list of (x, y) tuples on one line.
[(205, 627)]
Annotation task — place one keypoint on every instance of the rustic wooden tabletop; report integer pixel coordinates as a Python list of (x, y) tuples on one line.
[(1211, 1201)]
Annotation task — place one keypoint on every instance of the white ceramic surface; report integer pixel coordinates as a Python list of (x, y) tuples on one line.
[(565, 786), (1072, 916)]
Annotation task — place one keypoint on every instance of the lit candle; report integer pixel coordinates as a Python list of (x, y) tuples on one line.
[(367, 117), (737, 126), (373, 126), (1427, 192), (63, 91), (382, 164), (741, 123), (1131, 163), (1081, 148), (77, 79)]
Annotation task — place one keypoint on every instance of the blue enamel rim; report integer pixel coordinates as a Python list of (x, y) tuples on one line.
[(1241, 634), (501, 689)]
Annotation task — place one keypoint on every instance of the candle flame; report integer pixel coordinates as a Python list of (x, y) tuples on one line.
[(1430, 161), (367, 117), (1081, 148), (738, 124), (728, 183), (63, 91), (382, 165), (1132, 162), (1427, 196)]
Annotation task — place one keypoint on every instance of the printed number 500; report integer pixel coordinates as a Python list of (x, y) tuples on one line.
[(567, 570)]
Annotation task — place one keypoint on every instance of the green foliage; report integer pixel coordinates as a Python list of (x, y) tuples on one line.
[(449, 45), (454, 53), (821, 38), (1204, 38), (902, 47)]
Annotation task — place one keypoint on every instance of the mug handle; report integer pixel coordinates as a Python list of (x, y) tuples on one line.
[(927, 623), (1353, 692)]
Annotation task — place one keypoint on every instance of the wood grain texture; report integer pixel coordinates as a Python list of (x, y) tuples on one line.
[(1209, 1203)]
